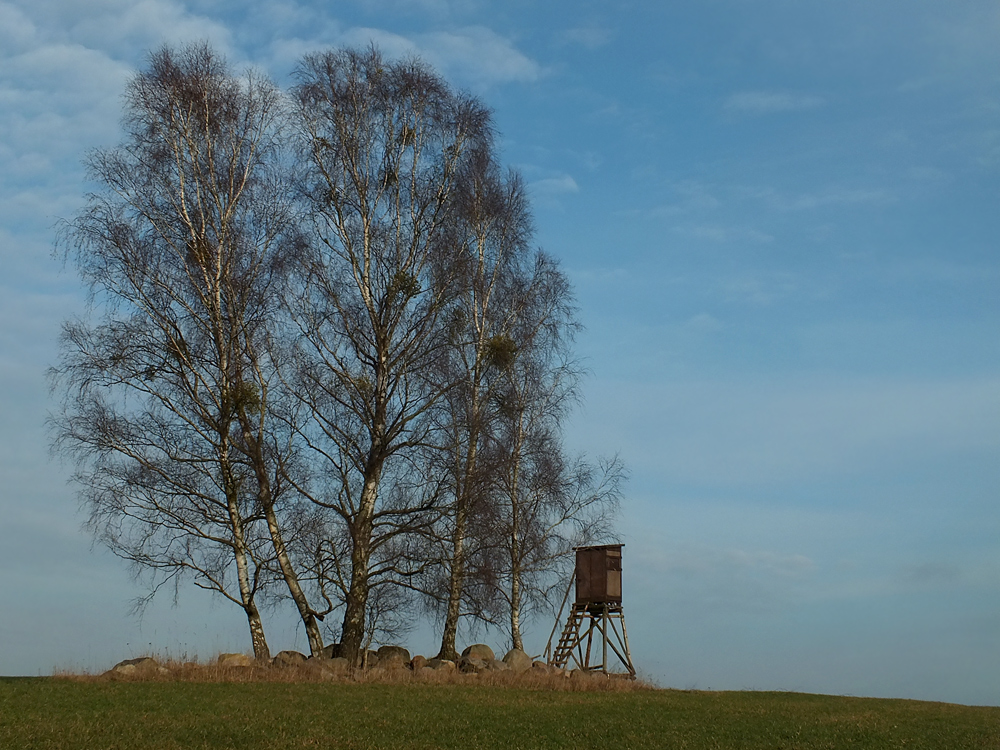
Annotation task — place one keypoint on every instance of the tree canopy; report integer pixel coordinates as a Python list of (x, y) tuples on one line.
[(324, 361)]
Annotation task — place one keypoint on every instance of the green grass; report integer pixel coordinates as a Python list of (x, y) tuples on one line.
[(62, 713)]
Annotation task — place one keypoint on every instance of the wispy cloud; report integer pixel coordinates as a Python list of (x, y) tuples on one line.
[(768, 102), (487, 56), (722, 233), (600, 276), (740, 580), (759, 289), (555, 185), (935, 573), (474, 55), (829, 196), (438, 8), (773, 433), (692, 197), (16, 31), (703, 323)]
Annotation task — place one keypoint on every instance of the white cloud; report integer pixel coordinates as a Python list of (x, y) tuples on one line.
[(482, 54), (149, 23), (17, 32), (555, 185), (392, 45), (61, 78), (440, 8), (58, 100), (473, 56), (767, 102), (124, 28)]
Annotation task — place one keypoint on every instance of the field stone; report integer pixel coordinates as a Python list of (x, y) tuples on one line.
[(517, 660), (480, 651), (142, 666), (235, 660), (369, 659), (418, 662), (445, 664), (540, 667), (288, 659), (332, 651), (337, 665), (393, 657), (472, 665)]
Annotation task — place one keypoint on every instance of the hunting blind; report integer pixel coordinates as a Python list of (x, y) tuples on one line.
[(596, 614)]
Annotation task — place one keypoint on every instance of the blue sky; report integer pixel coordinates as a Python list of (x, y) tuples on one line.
[(781, 221)]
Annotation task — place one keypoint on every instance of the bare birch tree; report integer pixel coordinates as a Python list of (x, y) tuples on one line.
[(545, 502), (166, 393), (491, 233), (334, 387), (385, 142)]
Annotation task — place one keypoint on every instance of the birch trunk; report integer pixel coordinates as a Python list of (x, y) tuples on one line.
[(257, 638), (456, 581), (353, 632), (266, 499), (260, 650), (515, 539), (309, 619)]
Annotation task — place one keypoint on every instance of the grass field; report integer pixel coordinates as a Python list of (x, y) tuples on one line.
[(64, 713)]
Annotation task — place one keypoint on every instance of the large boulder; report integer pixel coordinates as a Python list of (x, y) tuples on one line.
[(473, 665), (540, 667), (517, 660), (587, 674), (144, 666), (393, 657), (417, 663), (495, 665), (446, 664), (288, 659), (332, 651), (479, 651), (335, 666), (235, 660)]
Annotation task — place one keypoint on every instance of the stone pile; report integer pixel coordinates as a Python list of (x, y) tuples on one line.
[(474, 660)]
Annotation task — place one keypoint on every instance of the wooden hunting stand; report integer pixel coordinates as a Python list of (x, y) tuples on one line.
[(596, 614)]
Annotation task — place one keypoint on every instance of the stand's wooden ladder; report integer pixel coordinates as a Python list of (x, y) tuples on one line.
[(583, 621)]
